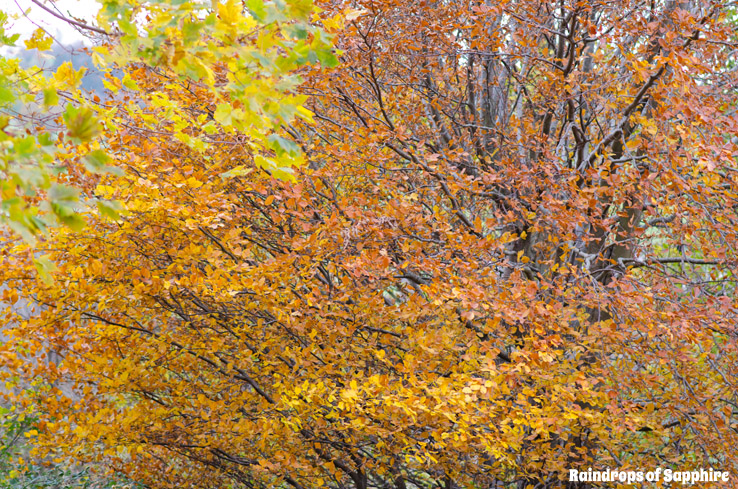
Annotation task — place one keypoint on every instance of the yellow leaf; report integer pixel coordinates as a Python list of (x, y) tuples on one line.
[(39, 40), (230, 11), (194, 183), (304, 113), (67, 76)]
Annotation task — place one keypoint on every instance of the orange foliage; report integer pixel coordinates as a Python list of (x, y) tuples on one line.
[(511, 254)]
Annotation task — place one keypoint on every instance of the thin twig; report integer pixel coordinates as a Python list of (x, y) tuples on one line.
[(71, 21)]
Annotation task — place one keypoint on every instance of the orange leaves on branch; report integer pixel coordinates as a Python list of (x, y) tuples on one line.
[(509, 253)]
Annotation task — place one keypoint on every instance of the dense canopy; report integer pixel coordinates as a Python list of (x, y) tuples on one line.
[(509, 252)]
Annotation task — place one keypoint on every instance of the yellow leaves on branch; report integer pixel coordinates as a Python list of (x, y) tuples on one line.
[(508, 252)]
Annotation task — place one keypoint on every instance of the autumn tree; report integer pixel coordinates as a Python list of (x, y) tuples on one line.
[(46, 120), (510, 254)]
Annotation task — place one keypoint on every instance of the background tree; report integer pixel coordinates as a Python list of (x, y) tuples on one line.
[(511, 254)]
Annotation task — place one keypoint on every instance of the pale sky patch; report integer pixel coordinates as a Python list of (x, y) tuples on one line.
[(80, 10)]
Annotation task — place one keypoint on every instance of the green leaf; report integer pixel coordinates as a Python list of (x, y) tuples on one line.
[(75, 222), (210, 128), (129, 83), (110, 209), (26, 231), (63, 203), (97, 162), (223, 114), (257, 9), (236, 172), (282, 145), (298, 31), (45, 267), (81, 123), (63, 193), (326, 57), (51, 97), (25, 147), (6, 95), (191, 31)]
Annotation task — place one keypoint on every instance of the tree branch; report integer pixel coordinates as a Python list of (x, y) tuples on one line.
[(71, 21)]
